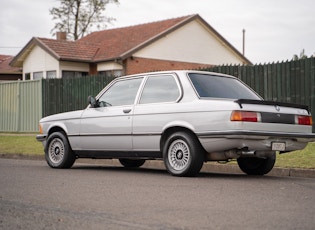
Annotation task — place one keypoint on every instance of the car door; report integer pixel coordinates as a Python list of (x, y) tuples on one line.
[(109, 126), (157, 106)]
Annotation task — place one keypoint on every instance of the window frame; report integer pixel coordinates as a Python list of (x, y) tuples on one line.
[(178, 84), (49, 73), (40, 73), (27, 76), (103, 92), (76, 74), (221, 76)]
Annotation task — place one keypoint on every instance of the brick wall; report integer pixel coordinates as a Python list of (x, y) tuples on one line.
[(136, 65), (93, 69)]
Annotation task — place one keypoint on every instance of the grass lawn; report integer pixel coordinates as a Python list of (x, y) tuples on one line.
[(28, 145), (20, 144), (298, 159)]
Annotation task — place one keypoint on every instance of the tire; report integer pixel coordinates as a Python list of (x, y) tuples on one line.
[(257, 166), (58, 152), (130, 163), (183, 155)]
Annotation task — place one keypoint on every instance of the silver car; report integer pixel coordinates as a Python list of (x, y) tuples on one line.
[(183, 117)]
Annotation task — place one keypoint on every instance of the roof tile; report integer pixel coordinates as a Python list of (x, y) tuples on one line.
[(5, 67), (69, 50), (115, 42)]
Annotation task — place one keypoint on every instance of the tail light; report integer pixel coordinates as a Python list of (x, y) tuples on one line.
[(245, 116), (251, 116), (303, 120)]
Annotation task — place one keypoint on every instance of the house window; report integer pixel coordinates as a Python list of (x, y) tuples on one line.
[(73, 74), (37, 75), (111, 73), (51, 74), (28, 76)]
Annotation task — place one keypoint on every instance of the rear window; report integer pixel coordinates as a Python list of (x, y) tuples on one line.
[(211, 86)]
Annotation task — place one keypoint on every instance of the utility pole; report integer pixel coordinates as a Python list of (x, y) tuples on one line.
[(243, 42)]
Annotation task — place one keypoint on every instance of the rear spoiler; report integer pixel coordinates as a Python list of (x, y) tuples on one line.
[(240, 102)]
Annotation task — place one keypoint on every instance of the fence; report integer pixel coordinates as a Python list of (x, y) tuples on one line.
[(62, 95), (287, 81), (21, 106), (23, 103)]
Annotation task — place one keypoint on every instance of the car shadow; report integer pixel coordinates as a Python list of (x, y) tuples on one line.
[(163, 172)]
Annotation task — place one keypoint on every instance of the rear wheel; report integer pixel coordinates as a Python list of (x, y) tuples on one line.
[(58, 152), (183, 155), (130, 163), (256, 166)]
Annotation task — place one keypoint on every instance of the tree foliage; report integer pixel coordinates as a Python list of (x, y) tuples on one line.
[(79, 17), (302, 56)]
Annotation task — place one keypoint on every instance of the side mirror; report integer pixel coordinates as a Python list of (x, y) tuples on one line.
[(92, 101)]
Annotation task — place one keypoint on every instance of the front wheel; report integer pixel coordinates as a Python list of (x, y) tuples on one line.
[(183, 155), (58, 152), (257, 166)]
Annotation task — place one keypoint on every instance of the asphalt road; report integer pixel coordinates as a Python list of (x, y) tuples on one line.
[(34, 196)]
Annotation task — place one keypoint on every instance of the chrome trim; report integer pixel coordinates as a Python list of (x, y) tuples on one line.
[(238, 133)]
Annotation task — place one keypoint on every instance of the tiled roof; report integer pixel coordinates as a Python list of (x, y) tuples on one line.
[(115, 43), (69, 50), (111, 44), (5, 67), (103, 45), (108, 44)]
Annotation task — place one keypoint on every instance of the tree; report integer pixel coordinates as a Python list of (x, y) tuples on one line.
[(302, 56), (78, 17)]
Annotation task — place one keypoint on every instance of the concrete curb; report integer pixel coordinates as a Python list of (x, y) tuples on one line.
[(158, 164)]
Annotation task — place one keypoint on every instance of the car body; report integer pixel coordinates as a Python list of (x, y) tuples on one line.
[(182, 117)]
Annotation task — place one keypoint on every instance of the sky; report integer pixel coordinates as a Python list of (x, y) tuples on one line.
[(275, 30)]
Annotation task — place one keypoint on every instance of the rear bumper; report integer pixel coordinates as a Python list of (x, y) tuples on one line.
[(253, 140), (247, 134)]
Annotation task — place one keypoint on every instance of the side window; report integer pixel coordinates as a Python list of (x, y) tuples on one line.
[(160, 89), (121, 93)]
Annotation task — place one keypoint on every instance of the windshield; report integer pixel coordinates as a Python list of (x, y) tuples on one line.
[(221, 87)]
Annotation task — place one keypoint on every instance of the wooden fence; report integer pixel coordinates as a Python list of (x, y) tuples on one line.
[(63, 95)]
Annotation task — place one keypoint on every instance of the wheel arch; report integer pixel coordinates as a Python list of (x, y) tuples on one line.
[(58, 128), (173, 129)]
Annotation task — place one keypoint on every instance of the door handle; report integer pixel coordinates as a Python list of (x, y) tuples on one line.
[(126, 110)]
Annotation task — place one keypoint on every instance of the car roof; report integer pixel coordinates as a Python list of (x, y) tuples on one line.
[(178, 72)]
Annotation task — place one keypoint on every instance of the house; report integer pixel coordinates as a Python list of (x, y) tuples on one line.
[(7, 72), (187, 42)]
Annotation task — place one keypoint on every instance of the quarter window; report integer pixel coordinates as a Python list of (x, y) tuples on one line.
[(121, 93), (160, 89)]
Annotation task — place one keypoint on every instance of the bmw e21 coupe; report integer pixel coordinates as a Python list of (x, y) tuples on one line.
[(184, 118)]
